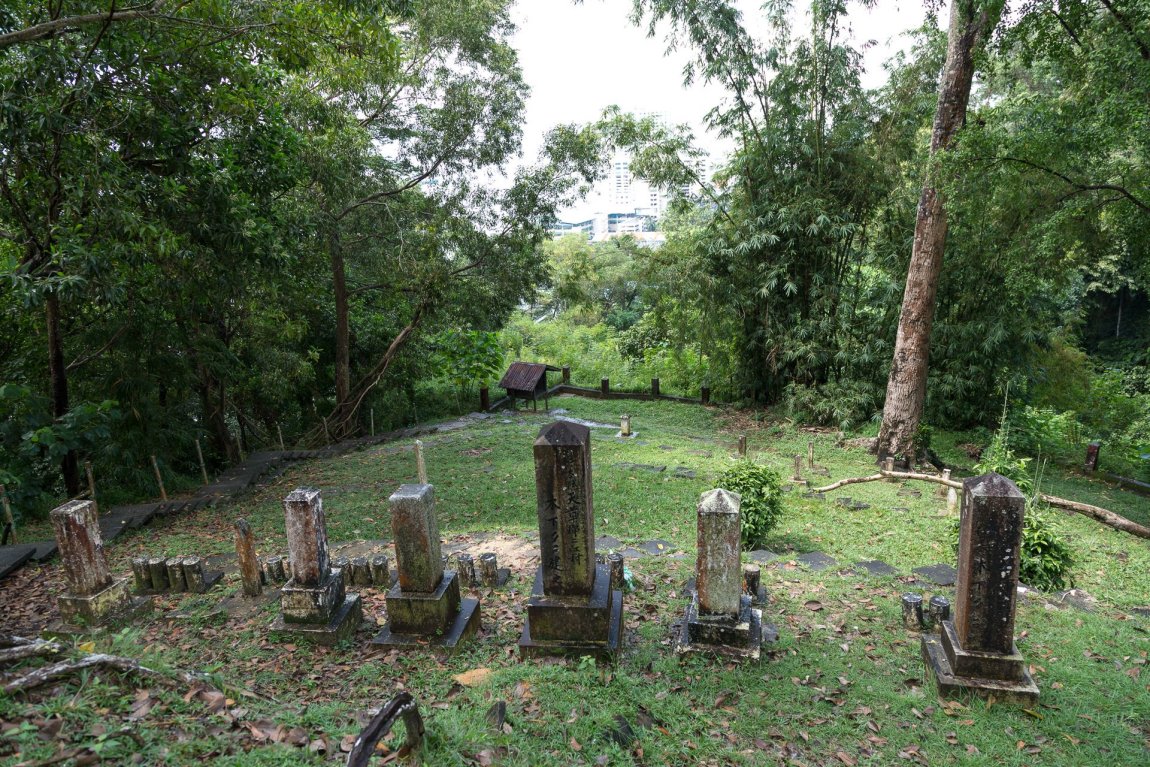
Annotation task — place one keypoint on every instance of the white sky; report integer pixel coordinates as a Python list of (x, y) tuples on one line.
[(579, 59)]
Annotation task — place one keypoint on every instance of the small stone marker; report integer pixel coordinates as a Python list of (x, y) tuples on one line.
[(424, 607), (490, 573), (810, 455), (380, 574), (250, 574), (313, 603), (742, 445), (94, 597), (420, 466), (705, 395), (975, 651), (176, 582), (943, 490), (605, 386), (625, 426), (720, 618), (912, 611), (465, 566), (158, 568), (572, 610), (753, 584), (654, 387), (142, 574), (1090, 465), (798, 475)]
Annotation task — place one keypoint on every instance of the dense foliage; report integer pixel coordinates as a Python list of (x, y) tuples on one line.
[(762, 499)]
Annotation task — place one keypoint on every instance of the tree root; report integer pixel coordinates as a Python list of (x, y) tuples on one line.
[(45, 674), (1098, 514)]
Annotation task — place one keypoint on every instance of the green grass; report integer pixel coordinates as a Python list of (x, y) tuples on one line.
[(843, 686)]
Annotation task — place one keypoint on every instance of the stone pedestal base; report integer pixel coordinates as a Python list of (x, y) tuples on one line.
[(342, 625), (464, 626), (957, 671), (111, 608), (440, 619), (740, 638), (574, 625)]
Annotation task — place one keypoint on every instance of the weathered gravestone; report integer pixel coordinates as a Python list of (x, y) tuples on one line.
[(720, 618), (975, 652), (424, 607), (572, 610), (313, 602), (94, 597)]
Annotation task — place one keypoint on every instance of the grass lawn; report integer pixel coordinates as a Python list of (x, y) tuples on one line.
[(844, 685)]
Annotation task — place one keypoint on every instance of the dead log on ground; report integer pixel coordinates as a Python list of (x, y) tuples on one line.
[(401, 706), (45, 674), (1098, 514)]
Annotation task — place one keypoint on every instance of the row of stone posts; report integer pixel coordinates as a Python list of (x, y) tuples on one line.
[(576, 604)]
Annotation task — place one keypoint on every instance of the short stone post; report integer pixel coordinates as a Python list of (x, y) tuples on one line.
[(466, 568), (566, 374), (605, 386), (572, 610), (753, 584), (360, 572), (654, 387), (615, 563), (943, 490), (380, 572), (798, 475), (158, 569), (975, 652), (249, 562), (176, 581), (625, 426), (491, 574), (484, 399), (912, 615), (1090, 465), (141, 574), (313, 603), (705, 395), (742, 445), (720, 618), (424, 607), (810, 455), (94, 597)]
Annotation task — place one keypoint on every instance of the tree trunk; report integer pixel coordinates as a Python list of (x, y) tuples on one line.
[(342, 326), (906, 387), (58, 386)]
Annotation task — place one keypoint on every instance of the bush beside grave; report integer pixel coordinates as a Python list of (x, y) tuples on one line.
[(762, 505)]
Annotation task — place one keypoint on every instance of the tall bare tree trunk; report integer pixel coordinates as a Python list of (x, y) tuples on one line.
[(58, 386), (906, 387), (338, 427)]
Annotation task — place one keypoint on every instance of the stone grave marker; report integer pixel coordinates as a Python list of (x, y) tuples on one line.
[(424, 607), (720, 617), (313, 603), (572, 610), (975, 651), (94, 598)]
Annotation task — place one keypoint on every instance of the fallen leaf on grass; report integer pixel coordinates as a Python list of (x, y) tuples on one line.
[(474, 677), (813, 605)]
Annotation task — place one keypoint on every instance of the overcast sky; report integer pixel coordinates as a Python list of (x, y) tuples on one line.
[(579, 59)]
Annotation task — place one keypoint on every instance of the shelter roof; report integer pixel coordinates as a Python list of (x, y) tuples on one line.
[(524, 376)]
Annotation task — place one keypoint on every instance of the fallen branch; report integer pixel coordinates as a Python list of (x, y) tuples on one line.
[(46, 674), (889, 475), (402, 706), (29, 649), (1098, 514)]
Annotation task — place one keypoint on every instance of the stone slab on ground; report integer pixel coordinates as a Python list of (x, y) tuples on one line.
[(607, 543), (816, 560), (875, 567), (682, 472), (641, 467), (656, 547), (13, 557), (632, 553), (941, 574), (45, 550), (1079, 599), (762, 556)]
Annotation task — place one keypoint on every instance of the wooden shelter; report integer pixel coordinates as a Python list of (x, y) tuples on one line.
[(527, 381)]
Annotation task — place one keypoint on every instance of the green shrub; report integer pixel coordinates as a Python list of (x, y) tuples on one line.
[(1046, 558), (762, 504)]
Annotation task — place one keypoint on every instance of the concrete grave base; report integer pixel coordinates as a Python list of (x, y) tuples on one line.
[(463, 627), (343, 625), (99, 608), (574, 625), (1022, 691), (739, 639), (80, 617)]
